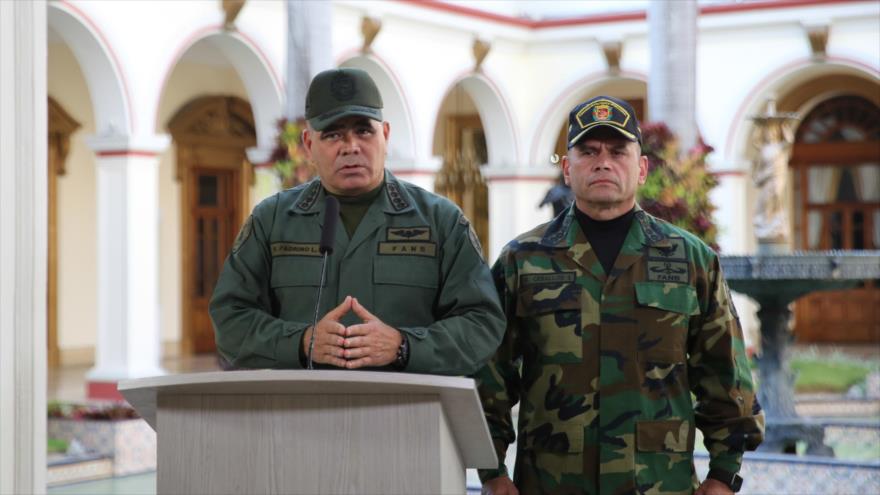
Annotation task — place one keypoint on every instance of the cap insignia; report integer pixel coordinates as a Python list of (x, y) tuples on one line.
[(342, 87)]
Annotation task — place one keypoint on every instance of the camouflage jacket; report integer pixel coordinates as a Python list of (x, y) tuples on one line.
[(603, 367), (413, 261)]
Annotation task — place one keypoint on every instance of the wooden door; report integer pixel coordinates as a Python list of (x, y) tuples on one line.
[(836, 157), (211, 135), (212, 226)]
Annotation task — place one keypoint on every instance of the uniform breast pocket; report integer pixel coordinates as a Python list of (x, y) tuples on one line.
[(405, 289), (295, 282), (663, 312), (551, 317)]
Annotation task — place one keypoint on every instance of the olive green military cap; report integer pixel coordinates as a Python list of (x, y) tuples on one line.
[(338, 93)]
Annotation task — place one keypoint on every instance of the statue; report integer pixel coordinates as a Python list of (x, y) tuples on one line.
[(773, 140)]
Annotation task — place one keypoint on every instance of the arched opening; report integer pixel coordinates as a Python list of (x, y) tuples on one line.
[(211, 135), (460, 139), (836, 164)]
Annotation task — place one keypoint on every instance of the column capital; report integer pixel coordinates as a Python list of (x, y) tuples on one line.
[(107, 145), (540, 173)]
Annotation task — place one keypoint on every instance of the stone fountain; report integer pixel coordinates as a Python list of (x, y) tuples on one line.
[(775, 277)]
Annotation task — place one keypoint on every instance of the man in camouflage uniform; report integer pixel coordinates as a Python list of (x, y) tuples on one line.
[(406, 286), (614, 318)]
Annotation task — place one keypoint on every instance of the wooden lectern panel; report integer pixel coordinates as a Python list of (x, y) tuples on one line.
[(359, 444)]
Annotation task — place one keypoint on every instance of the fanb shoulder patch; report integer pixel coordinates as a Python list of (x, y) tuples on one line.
[(472, 236), (409, 233), (243, 234), (295, 249), (669, 262)]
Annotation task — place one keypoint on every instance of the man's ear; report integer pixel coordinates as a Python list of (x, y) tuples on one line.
[(565, 166), (386, 130), (307, 141), (643, 169)]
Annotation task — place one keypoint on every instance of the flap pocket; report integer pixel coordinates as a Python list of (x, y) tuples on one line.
[(677, 298), (559, 438), (296, 271), (671, 435), (412, 271)]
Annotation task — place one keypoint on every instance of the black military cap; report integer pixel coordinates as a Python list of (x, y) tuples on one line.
[(603, 111), (338, 93)]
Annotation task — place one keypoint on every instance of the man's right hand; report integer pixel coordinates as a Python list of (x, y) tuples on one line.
[(501, 485), (329, 338)]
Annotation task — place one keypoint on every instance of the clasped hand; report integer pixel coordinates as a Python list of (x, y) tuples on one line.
[(371, 343)]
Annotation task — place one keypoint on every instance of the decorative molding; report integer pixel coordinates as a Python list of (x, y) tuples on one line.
[(818, 37), (370, 27), (611, 50), (61, 126), (480, 49), (231, 9)]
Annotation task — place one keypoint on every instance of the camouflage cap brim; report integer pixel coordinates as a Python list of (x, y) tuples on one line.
[(321, 122)]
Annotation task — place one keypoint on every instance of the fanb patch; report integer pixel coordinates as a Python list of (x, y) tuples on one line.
[(409, 233), (295, 249), (668, 271), (676, 250), (413, 248), (472, 235), (547, 278), (243, 234)]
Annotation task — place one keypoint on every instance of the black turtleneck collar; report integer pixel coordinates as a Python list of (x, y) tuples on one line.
[(606, 236)]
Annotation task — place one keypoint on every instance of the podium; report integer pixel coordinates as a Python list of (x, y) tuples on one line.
[(313, 432)]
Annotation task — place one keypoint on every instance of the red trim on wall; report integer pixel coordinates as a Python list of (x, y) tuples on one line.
[(103, 391), (638, 15), (132, 153)]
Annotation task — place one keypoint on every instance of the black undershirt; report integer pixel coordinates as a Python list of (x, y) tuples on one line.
[(606, 236)]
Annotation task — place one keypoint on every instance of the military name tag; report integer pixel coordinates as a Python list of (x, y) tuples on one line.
[(547, 278), (668, 271), (295, 249), (408, 248), (409, 233)]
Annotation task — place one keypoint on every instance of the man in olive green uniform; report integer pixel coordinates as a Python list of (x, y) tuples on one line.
[(406, 284), (614, 318)]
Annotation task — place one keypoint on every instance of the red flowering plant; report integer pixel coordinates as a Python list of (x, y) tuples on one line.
[(678, 185), (105, 412), (289, 157)]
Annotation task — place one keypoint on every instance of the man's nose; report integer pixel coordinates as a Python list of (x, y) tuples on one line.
[(602, 161), (349, 143)]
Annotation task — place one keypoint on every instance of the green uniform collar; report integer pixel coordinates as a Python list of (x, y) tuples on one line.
[(395, 201), (565, 232)]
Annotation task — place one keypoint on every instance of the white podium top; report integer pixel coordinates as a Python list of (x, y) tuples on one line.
[(458, 396)]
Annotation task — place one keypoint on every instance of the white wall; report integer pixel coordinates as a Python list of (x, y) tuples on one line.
[(76, 206)]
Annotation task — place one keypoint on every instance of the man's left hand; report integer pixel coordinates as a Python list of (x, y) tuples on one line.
[(713, 487), (371, 343)]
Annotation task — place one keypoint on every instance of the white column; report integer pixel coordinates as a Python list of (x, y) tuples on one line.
[(309, 29), (23, 237), (514, 196), (128, 261), (672, 80)]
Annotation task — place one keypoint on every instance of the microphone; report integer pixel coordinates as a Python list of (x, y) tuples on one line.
[(328, 234), (331, 216)]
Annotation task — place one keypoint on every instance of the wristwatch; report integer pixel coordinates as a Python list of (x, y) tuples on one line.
[(733, 480), (402, 354)]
